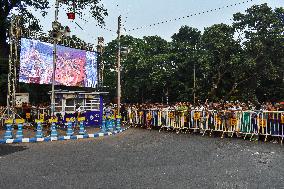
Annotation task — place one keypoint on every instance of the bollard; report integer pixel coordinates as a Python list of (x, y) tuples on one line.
[(53, 130), (82, 129), (8, 133), (110, 126), (107, 124), (70, 131), (19, 133), (103, 127), (118, 126), (39, 133), (113, 124)]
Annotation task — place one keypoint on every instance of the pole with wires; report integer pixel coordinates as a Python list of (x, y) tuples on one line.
[(118, 66), (54, 58)]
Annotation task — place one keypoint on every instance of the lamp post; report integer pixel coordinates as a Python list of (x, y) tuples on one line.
[(118, 66), (194, 80), (55, 28), (100, 62), (57, 34)]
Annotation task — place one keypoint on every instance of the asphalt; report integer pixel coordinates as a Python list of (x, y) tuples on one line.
[(139, 158)]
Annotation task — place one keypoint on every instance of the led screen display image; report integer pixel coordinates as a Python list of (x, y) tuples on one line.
[(74, 67)]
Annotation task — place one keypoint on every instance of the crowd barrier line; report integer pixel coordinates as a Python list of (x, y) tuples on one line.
[(227, 122)]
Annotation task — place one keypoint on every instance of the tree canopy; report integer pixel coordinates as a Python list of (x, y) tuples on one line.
[(243, 61)]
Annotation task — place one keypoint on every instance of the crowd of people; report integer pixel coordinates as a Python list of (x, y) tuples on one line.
[(223, 105), (225, 117)]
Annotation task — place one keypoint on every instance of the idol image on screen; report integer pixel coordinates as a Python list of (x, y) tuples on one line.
[(35, 62), (91, 69), (70, 67), (74, 67)]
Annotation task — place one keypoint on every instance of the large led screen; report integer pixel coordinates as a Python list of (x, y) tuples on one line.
[(74, 67)]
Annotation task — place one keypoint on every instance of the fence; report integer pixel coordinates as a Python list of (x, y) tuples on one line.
[(240, 123), (16, 131)]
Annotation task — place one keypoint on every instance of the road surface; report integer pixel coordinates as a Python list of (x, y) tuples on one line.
[(139, 158)]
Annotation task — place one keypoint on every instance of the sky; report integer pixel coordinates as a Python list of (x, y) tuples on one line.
[(137, 13)]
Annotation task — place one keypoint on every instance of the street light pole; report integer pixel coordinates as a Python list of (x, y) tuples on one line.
[(194, 83), (54, 61), (118, 66), (194, 80)]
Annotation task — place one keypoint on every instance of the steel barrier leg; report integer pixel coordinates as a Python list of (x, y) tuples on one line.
[(53, 130), (110, 127), (118, 127), (8, 133), (39, 133), (103, 127), (19, 133), (82, 130), (70, 131)]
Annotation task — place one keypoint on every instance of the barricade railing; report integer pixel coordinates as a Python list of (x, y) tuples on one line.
[(14, 129), (227, 122)]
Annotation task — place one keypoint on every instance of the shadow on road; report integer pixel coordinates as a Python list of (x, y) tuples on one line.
[(6, 149)]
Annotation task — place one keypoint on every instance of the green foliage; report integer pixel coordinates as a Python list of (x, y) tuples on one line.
[(243, 61)]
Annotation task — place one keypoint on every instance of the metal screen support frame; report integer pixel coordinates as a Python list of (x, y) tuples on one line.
[(14, 36)]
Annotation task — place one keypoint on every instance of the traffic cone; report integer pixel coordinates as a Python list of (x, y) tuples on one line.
[(69, 129), (53, 130), (8, 133), (39, 133), (19, 133), (82, 129)]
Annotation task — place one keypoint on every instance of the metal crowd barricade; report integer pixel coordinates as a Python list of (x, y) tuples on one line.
[(230, 122), (167, 116)]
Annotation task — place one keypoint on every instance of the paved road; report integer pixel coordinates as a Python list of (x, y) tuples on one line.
[(141, 158)]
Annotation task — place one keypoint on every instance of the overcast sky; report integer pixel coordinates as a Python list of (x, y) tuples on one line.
[(137, 13)]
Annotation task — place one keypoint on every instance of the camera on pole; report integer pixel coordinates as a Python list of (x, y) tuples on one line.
[(125, 50), (66, 31), (59, 31), (55, 33)]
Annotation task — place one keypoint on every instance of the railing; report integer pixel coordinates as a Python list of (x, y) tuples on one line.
[(240, 123), (18, 130)]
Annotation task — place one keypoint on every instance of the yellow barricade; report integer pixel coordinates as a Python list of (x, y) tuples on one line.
[(282, 119), (8, 121), (81, 118), (39, 120), (196, 115), (262, 122), (53, 120), (20, 121), (72, 119), (28, 115), (171, 115), (234, 122), (41, 116)]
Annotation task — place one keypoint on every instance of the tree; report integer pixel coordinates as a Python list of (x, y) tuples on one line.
[(263, 29), (30, 21), (139, 74), (185, 52), (221, 50), (243, 61)]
